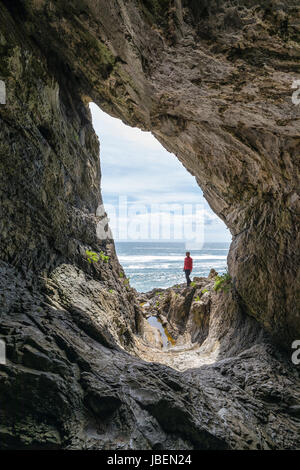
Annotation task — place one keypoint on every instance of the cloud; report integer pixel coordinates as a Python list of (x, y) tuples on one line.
[(135, 165)]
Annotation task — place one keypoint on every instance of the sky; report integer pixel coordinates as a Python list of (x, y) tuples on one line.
[(147, 193)]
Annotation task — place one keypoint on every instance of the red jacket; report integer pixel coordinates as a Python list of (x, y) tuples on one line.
[(188, 263)]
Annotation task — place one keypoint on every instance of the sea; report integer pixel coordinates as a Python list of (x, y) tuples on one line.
[(152, 265)]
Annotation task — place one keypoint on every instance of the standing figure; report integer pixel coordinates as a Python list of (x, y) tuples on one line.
[(188, 266)]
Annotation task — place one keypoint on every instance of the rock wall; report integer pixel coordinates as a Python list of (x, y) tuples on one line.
[(212, 82)]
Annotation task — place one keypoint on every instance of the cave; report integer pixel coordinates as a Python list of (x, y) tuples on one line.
[(212, 81)]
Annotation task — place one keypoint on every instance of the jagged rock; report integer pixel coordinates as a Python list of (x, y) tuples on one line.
[(200, 312), (212, 274), (184, 312), (212, 82)]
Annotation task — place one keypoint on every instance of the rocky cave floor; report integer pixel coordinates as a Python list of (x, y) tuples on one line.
[(175, 319), (81, 375)]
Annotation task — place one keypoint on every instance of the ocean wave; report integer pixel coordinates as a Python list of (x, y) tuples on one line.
[(135, 267), (151, 258)]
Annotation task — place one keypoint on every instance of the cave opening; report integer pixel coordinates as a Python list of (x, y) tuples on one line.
[(151, 199), (156, 209)]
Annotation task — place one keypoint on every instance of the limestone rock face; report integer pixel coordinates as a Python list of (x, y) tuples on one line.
[(212, 82)]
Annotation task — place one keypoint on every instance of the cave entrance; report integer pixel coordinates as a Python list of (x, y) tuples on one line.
[(153, 203)]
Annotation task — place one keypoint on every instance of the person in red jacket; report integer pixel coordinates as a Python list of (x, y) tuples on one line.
[(188, 266)]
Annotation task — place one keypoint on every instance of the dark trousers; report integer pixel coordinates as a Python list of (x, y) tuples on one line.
[(187, 275)]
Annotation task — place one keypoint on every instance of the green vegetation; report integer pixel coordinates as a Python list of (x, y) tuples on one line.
[(104, 257), (125, 280), (158, 294), (126, 283), (198, 298), (193, 284), (94, 257), (223, 282)]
